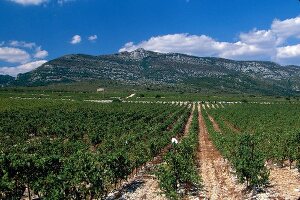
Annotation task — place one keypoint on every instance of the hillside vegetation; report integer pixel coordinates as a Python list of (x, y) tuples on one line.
[(172, 70)]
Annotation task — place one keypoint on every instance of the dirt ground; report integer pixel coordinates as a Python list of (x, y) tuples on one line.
[(286, 182), (231, 126), (218, 181), (215, 125)]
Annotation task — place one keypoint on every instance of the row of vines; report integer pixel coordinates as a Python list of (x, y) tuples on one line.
[(253, 134), (178, 174), (81, 150)]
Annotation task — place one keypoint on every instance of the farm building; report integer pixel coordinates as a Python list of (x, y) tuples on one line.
[(100, 90)]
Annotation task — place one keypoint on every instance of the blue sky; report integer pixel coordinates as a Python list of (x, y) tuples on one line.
[(34, 31)]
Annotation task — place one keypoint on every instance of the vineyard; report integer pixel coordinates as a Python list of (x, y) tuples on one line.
[(80, 150), (276, 127), (261, 142), (56, 149)]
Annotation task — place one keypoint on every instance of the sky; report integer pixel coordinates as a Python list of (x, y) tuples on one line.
[(35, 31)]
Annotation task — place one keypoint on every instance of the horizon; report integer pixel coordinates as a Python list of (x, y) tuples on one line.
[(36, 31)]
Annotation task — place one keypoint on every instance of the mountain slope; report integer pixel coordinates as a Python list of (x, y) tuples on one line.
[(142, 67), (6, 80)]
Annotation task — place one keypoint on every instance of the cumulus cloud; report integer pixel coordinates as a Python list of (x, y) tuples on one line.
[(288, 51), (197, 45), (23, 44), (29, 2), (253, 45), (286, 28), (181, 43), (20, 51), (92, 37), (13, 55), (263, 38), (14, 71), (27, 55), (40, 53), (76, 39), (289, 54)]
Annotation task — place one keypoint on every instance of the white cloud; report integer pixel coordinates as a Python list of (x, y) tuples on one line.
[(244, 51), (14, 71), (92, 37), (289, 54), (29, 2), (28, 55), (76, 39), (265, 38), (288, 51), (23, 44), (253, 45), (196, 45), (286, 28), (40, 53), (14, 55), (181, 43)]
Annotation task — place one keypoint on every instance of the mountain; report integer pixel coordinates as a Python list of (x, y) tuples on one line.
[(147, 68), (6, 80)]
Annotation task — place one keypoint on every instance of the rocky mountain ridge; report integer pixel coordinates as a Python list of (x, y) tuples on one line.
[(141, 67)]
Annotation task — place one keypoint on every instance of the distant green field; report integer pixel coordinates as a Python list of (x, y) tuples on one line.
[(140, 95)]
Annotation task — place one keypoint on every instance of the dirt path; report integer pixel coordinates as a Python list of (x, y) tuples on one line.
[(130, 96), (215, 125), (231, 126), (286, 182), (189, 122), (144, 185), (218, 182)]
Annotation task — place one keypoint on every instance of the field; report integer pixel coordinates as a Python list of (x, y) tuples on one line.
[(117, 144)]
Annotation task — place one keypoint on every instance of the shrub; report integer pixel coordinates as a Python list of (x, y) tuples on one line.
[(249, 162)]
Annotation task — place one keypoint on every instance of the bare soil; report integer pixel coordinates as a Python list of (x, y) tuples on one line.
[(216, 175), (231, 126), (286, 182), (215, 125), (189, 122)]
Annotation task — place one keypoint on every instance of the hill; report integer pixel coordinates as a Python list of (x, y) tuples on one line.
[(147, 68), (6, 80)]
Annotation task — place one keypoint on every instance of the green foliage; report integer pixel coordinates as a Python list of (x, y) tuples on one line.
[(167, 181), (179, 167), (249, 162), (79, 150), (188, 73), (116, 100), (119, 166), (273, 135)]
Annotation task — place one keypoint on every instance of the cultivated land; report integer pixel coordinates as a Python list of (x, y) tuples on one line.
[(116, 145)]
